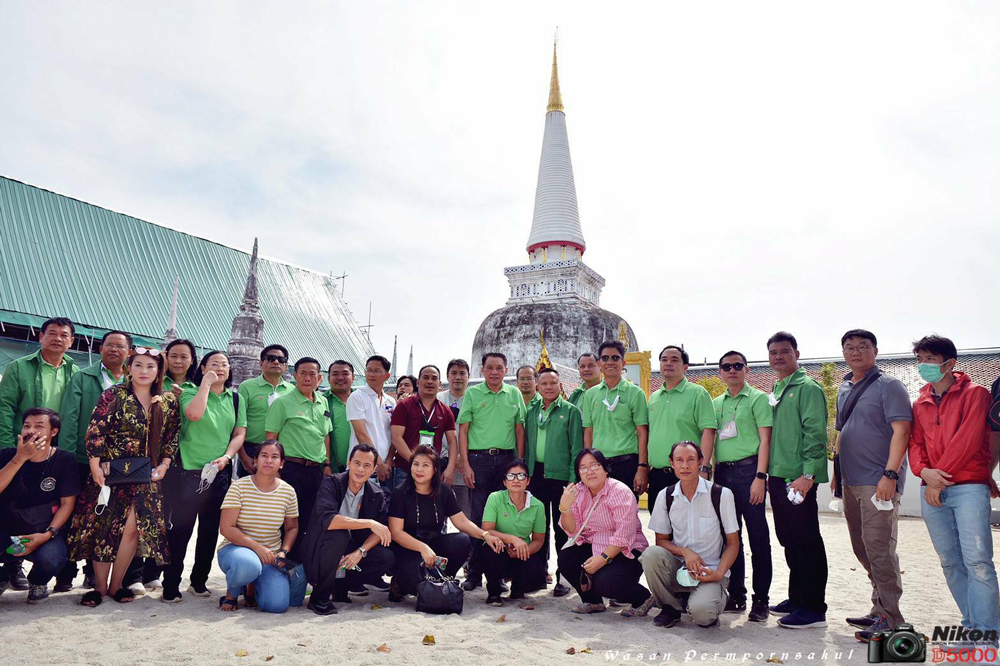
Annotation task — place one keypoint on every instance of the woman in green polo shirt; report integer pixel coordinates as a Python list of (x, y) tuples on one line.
[(518, 519), (181, 356), (210, 437)]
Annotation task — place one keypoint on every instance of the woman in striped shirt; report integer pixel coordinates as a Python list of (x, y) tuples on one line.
[(601, 558), (253, 551)]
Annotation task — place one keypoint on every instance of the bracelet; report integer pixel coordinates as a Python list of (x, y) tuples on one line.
[(485, 534), (227, 457), (562, 510)]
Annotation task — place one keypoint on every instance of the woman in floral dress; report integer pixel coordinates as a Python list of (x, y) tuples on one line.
[(131, 420)]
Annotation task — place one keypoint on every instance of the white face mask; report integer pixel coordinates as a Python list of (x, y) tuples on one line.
[(103, 497), (208, 474)]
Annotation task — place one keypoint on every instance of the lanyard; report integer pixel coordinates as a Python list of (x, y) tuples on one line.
[(428, 417), (437, 518)]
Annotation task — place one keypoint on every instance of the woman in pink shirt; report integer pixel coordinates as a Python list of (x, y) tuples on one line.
[(601, 558)]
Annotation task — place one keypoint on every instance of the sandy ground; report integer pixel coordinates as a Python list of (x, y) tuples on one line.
[(196, 632)]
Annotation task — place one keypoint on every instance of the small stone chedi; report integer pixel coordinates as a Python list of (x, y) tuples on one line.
[(247, 339), (555, 289)]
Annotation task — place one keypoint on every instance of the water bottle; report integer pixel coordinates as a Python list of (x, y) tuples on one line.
[(16, 546)]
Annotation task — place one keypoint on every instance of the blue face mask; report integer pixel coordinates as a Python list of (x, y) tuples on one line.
[(930, 372)]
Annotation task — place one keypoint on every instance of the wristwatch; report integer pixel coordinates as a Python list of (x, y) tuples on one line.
[(364, 553), (761, 475), (282, 550), (327, 464), (706, 469), (644, 465), (228, 457), (54, 530), (606, 557), (890, 474), (810, 477)]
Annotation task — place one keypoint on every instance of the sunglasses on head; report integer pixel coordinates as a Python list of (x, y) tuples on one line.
[(613, 357), (274, 358), (726, 367), (516, 476), (148, 351)]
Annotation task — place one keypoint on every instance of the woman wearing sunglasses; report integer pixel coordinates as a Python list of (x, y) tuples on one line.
[(417, 517), (132, 420), (210, 437), (601, 558), (518, 520), (260, 520)]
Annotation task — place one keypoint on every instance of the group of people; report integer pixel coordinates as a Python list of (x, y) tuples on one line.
[(115, 465)]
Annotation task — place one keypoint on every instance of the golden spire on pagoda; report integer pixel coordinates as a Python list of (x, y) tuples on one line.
[(543, 358), (555, 98), (623, 333)]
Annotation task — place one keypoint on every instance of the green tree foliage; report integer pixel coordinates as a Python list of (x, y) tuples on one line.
[(828, 380), (713, 385)]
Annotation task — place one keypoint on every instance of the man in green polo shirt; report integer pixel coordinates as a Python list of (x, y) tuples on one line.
[(590, 374), (341, 376), (742, 450), (300, 420), (553, 433), (490, 434), (616, 420), (678, 412), (256, 396)]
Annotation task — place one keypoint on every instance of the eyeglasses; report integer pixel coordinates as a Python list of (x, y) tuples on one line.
[(274, 358), (613, 357), (590, 468), (861, 349), (516, 476), (148, 351), (726, 367)]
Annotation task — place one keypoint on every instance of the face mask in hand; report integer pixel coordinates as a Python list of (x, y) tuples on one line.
[(930, 372), (208, 473), (103, 497)]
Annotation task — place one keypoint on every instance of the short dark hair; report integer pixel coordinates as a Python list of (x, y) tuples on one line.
[(458, 362), (272, 442), (263, 352), (341, 362), (363, 447), (429, 365), (494, 355), (381, 359), (529, 367), (687, 442), (307, 359), (128, 338), (514, 464), (937, 345), (200, 372), (598, 456), (194, 355), (733, 352), (413, 381), (616, 344), (859, 333), (684, 354), (54, 421), (783, 336), (548, 371), (424, 450), (585, 355), (59, 321)]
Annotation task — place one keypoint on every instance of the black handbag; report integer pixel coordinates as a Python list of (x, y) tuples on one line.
[(127, 471), (438, 593)]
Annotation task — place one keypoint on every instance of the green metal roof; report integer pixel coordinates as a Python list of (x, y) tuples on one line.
[(105, 270)]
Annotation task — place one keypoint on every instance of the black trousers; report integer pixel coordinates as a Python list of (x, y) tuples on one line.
[(658, 480), (334, 545), (526, 575), (618, 579), (489, 479), (623, 468), (739, 476), (184, 505), (305, 479), (797, 527), (548, 492), (406, 569)]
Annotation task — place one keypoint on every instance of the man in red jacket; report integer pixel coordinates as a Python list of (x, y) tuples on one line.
[(949, 450)]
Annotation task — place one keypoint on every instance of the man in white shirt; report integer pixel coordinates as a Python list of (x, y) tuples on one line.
[(369, 410), (686, 519)]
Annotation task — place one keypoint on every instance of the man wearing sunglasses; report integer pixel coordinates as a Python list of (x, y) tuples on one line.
[(616, 420), (679, 411), (256, 396), (742, 449)]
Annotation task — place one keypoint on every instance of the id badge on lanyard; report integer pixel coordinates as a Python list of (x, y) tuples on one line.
[(271, 398), (426, 438), (729, 430)]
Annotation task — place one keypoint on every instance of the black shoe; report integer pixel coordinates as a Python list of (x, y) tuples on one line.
[(171, 595), (470, 585), (38, 593), (515, 596), (395, 594), (667, 618), (735, 606), (360, 591), (15, 575), (560, 590), (63, 586), (199, 590), (342, 598), (881, 624), (322, 607), (784, 608), (712, 624), (758, 611), (494, 600), (89, 582), (378, 586), (862, 622)]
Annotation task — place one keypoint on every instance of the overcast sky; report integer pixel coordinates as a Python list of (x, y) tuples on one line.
[(740, 167)]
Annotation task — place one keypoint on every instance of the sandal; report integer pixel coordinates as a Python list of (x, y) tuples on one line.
[(233, 604), (639, 611), (587, 609), (123, 595), (92, 599)]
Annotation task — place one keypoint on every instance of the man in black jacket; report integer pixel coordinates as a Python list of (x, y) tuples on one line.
[(347, 541)]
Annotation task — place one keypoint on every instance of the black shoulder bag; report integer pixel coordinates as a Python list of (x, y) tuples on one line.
[(438, 593)]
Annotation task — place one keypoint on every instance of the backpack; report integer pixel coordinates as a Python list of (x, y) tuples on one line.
[(716, 494)]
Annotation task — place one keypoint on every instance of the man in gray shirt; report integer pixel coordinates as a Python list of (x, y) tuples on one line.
[(873, 424), (458, 381)]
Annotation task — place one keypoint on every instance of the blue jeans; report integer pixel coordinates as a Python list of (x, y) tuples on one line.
[(274, 591), (47, 560), (396, 481), (960, 532)]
